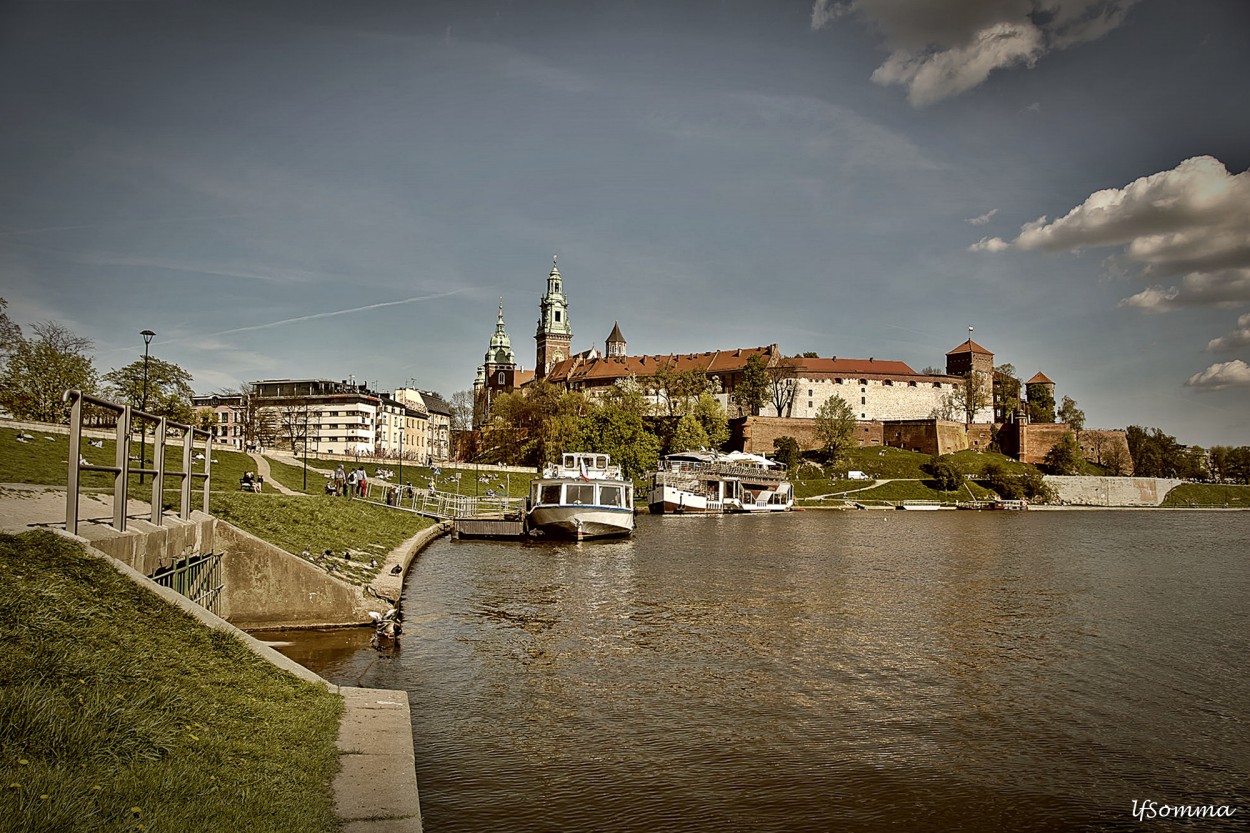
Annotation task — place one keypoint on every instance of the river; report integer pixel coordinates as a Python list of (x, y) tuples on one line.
[(827, 671)]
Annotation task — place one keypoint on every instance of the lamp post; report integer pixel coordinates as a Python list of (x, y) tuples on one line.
[(143, 405)]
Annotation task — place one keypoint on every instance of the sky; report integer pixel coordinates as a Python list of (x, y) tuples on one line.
[(346, 190)]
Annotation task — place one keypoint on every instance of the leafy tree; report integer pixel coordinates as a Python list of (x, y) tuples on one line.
[(38, 371), (808, 355), (689, 435), (1065, 457), (946, 476), (1074, 416), (10, 333), (835, 426), (622, 435), (630, 395), (168, 388), (676, 391), (1001, 481), (932, 371), (782, 384), (534, 428), (1041, 403), (1115, 460), (711, 416), (1006, 392), (751, 391), (1230, 464), (786, 449), (1156, 454), (947, 407)]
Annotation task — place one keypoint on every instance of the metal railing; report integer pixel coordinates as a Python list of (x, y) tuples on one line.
[(197, 577), (441, 505), (121, 470)]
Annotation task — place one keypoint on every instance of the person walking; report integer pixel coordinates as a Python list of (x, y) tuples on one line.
[(351, 483), (362, 481), (340, 481)]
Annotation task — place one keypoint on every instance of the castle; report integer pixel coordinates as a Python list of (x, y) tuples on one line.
[(892, 402)]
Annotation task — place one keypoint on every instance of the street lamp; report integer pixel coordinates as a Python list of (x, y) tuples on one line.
[(143, 405)]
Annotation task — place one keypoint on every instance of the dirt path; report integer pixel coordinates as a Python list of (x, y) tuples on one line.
[(262, 468)]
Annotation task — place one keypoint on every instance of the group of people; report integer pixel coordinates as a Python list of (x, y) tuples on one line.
[(252, 482), (348, 483)]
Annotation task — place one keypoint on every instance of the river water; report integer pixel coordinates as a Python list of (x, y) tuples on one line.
[(828, 671)]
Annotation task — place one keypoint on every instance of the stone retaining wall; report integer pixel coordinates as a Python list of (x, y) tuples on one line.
[(1111, 491)]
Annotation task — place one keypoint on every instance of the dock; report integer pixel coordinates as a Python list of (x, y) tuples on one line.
[(497, 528)]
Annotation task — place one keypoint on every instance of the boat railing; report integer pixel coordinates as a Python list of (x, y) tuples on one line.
[(719, 469)]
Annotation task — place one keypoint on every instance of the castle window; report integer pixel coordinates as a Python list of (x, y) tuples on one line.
[(809, 403), (937, 384), (863, 381), (501, 378), (911, 384), (838, 381), (888, 383), (863, 400), (557, 315), (809, 391)]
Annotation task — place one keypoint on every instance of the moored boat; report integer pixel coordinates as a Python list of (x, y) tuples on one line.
[(582, 496), (698, 482)]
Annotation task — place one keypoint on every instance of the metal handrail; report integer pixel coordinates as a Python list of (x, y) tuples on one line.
[(121, 470)]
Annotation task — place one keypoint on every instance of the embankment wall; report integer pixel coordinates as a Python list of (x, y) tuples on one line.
[(1111, 491)]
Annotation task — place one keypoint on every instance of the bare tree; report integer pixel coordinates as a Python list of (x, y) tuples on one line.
[(782, 384)]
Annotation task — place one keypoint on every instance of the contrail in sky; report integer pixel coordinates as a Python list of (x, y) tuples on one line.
[(319, 315), (18, 232)]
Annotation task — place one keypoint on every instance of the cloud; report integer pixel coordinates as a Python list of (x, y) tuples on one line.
[(938, 50), (984, 218), (1189, 226), (1234, 374), (1233, 341)]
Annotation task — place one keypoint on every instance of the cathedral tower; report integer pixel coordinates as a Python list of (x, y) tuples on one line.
[(554, 334), (497, 374), (615, 345)]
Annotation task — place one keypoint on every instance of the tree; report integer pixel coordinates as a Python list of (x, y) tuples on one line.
[(945, 475), (1115, 460), (461, 410), (168, 388), (677, 390), (1065, 457), (689, 435), (10, 334), (1041, 403), (835, 426), (1074, 416), (1006, 392), (622, 435), (947, 407), (971, 395), (534, 428), (38, 371), (751, 392), (291, 424), (712, 418), (782, 384), (1156, 454), (786, 449), (256, 419)]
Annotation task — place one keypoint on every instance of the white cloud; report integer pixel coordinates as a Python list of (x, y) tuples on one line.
[(1233, 341), (984, 218), (1234, 374), (989, 244), (1189, 226), (943, 49)]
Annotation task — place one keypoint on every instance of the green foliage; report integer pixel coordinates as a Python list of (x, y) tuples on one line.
[(689, 435), (1006, 391), (788, 452), (1156, 454), (945, 475), (1209, 494), (1065, 457), (534, 428), (752, 389), (1230, 464), (1074, 416), (623, 436), (1041, 403), (168, 388), (38, 371), (120, 712), (712, 418), (1013, 486), (835, 426), (970, 395), (677, 391)]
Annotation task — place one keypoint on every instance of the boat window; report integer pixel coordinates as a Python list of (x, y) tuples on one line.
[(551, 493), (582, 495), (609, 495)]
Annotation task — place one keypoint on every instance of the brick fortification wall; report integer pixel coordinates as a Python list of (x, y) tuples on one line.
[(937, 436), (1030, 443), (755, 435)]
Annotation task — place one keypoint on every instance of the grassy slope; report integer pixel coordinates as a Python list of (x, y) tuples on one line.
[(906, 468), (120, 712), (1209, 494), (455, 481)]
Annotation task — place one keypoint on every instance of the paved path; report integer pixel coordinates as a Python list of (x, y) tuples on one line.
[(262, 468)]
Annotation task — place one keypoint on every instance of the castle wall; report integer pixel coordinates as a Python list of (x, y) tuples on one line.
[(875, 399), (1031, 442), (755, 435), (937, 436)]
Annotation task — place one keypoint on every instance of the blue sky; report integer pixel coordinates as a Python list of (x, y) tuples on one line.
[(333, 189)]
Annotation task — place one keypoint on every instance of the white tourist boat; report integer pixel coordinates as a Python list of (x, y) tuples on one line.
[(582, 496), (709, 482)]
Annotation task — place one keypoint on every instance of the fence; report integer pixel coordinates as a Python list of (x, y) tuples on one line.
[(197, 577), (122, 469), (441, 505)]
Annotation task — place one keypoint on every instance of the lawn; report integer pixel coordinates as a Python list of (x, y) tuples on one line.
[(323, 522), (289, 471), (1209, 494), (120, 712)]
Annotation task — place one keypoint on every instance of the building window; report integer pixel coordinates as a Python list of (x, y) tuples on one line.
[(837, 381), (501, 377), (557, 316), (863, 400), (888, 383), (911, 384), (863, 381), (937, 384), (809, 391), (809, 403)]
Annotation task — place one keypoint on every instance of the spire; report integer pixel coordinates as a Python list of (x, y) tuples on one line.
[(500, 351)]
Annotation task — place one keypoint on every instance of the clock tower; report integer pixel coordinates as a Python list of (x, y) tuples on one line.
[(554, 334)]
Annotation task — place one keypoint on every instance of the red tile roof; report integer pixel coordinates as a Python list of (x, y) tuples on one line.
[(1040, 378), (605, 370), (851, 367)]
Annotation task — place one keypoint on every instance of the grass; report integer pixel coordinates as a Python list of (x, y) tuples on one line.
[(1208, 494), (323, 522), (120, 712), (44, 460), (453, 481), (906, 470)]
